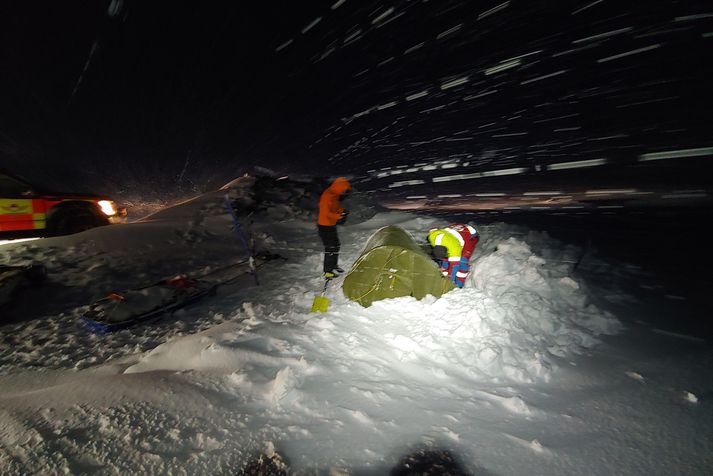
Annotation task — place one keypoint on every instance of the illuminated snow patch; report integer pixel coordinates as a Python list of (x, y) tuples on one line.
[(18, 240)]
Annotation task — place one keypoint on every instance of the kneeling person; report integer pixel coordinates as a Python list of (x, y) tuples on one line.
[(453, 247)]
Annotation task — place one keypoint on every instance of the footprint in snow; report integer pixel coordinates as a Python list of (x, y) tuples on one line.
[(689, 397), (635, 376), (533, 445)]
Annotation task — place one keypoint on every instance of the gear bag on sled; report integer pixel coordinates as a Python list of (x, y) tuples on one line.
[(392, 265), (120, 310)]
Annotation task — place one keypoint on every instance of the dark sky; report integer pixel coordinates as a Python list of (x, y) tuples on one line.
[(141, 96)]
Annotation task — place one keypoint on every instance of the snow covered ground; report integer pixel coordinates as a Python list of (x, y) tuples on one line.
[(535, 367)]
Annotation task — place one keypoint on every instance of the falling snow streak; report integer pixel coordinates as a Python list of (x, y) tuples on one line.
[(461, 81), (414, 48), (337, 4), (546, 76), (601, 36), (349, 86), (629, 53), (449, 31), (382, 16), (586, 7), (502, 67), (284, 45), (577, 165), (92, 52), (694, 17), (352, 37), (493, 10), (455, 82), (311, 25), (675, 154), (418, 95), (476, 96)]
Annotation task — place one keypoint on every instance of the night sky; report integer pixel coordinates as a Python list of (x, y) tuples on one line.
[(417, 98)]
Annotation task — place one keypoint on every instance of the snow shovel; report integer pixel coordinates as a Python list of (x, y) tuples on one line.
[(321, 302)]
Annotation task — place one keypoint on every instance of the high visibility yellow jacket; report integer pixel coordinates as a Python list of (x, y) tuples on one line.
[(441, 237)]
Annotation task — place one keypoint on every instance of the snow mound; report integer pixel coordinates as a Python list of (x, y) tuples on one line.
[(224, 348), (537, 295), (202, 390), (529, 311), (513, 318), (507, 326)]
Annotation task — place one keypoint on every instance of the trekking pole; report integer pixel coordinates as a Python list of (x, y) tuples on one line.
[(243, 240)]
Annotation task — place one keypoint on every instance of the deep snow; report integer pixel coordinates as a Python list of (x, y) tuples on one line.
[(518, 373)]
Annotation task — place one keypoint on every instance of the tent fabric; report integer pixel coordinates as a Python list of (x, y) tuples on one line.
[(392, 265)]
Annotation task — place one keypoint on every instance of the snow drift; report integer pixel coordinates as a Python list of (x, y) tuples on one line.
[(507, 325), (202, 390)]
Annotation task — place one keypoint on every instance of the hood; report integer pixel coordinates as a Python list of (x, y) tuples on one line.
[(340, 185)]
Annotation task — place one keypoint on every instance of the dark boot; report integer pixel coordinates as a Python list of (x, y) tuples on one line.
[(330, 239)]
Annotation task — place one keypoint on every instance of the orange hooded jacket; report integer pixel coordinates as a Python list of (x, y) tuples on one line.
[(329, 210)]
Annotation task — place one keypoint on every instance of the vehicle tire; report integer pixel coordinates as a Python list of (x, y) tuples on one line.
[(74, 220)]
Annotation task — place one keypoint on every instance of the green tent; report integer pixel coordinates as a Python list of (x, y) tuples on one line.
[(391, 265)]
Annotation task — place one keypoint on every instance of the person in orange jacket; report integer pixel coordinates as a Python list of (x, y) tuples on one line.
[(331, 213)]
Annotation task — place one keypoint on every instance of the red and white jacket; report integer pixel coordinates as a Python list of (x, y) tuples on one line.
[(457, 267)]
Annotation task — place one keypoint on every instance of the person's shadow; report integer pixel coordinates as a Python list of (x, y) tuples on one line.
[(426, 461)]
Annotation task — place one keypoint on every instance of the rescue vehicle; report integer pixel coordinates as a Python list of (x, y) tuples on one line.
[(26, 210)]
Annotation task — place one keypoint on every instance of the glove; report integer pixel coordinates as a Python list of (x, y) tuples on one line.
[(343, 217)]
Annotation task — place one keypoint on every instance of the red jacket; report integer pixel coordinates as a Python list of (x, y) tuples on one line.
[(329, 210)]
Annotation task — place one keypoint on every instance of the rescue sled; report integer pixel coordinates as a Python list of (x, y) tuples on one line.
[(123, 309)]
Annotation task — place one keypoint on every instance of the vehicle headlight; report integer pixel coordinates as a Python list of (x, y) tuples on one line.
[(107, 207)]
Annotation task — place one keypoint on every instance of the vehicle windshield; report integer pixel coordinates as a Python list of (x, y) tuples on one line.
[(12, 187)]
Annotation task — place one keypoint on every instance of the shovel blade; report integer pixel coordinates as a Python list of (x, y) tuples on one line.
[(320, 304)]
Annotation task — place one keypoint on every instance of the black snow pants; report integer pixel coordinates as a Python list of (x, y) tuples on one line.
[(330, 239)]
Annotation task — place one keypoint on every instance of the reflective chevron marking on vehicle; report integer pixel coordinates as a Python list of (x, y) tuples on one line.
[(11, 206)]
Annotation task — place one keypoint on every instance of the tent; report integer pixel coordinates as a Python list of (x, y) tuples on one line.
[(391, 265)]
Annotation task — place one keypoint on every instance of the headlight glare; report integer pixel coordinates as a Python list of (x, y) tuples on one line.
[(107, 207)]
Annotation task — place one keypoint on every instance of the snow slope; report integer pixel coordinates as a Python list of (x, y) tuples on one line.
[(513, 374)]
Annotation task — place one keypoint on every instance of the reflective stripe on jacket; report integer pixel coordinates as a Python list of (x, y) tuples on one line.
[(459, 240)]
